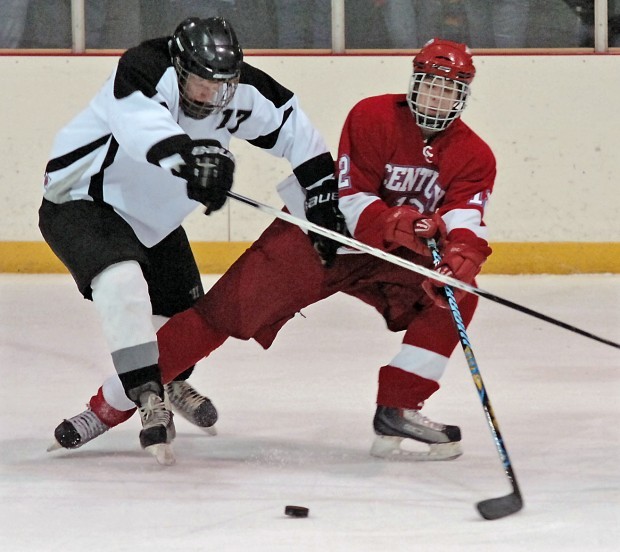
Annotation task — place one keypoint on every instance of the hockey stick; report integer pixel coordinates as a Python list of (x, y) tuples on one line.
[(355, 244), (492, 508)]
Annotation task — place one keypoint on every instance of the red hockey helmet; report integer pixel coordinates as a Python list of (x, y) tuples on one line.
[(445, 58), (439, 85)]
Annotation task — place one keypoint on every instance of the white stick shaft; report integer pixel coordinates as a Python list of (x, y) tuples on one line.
[(355, 244)]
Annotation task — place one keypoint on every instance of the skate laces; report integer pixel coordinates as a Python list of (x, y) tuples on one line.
[(154, 412), (183, 395), (415, 417), (88, 425)]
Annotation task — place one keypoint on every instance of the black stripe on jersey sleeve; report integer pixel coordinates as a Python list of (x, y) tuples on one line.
[(95, 189), (67, 159), (266, 85), (315, 169), (141, 68), (269, 140), (180, 143)]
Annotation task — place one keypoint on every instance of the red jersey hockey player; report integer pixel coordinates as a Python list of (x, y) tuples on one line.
[(409, 169)]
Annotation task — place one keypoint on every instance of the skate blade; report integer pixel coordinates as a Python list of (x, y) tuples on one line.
[(163, 453), (398, 448), (210, 430), (54, 446)]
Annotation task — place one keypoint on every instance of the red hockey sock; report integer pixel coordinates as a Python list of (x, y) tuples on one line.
[(184, 340), (106, 413), (400, 389)]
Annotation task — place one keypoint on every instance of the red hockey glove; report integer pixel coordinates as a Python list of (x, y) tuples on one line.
[(407, 227), (460, 260)]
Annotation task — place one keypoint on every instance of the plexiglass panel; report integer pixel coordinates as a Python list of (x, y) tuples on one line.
[(307, 24)]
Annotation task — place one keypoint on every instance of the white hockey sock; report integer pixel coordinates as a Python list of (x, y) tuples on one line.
[(121, 297), (421, 362), (114, 394)]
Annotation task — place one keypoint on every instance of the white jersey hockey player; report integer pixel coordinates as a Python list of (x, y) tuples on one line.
[(151, 146)]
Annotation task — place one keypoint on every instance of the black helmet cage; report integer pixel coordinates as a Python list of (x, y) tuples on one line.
[(209, 49), (199, 110)]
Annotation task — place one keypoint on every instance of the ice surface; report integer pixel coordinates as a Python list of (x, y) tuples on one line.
[(295, 428)]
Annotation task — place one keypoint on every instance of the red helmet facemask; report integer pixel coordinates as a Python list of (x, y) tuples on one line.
[(439, 85)]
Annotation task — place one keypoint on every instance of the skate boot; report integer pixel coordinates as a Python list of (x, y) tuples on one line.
[(193, 406), (98, 417), (157, 427), (77, 431), (397, 429)]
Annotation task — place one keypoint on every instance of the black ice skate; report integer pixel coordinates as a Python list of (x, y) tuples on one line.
[(193, 406), (396, 426), (77, 431), (158, 429)]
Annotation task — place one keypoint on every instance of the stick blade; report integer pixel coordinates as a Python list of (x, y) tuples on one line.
[(496, 508)]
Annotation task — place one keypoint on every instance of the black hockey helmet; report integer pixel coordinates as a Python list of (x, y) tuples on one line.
[(209, 49)]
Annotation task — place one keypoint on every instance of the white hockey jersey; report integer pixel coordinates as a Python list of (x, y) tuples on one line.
[(111, 152)]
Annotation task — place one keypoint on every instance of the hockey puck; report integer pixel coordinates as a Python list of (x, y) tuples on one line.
[(296, 511)]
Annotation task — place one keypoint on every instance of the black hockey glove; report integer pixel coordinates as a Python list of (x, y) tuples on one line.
[(208, 170), (322, 209)]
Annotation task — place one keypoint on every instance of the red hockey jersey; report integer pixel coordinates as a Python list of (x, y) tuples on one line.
[(384, 161)]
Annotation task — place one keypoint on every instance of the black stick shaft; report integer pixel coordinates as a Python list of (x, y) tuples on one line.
[(477, 377)]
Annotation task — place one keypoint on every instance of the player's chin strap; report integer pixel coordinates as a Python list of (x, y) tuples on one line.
[(429, 273)]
